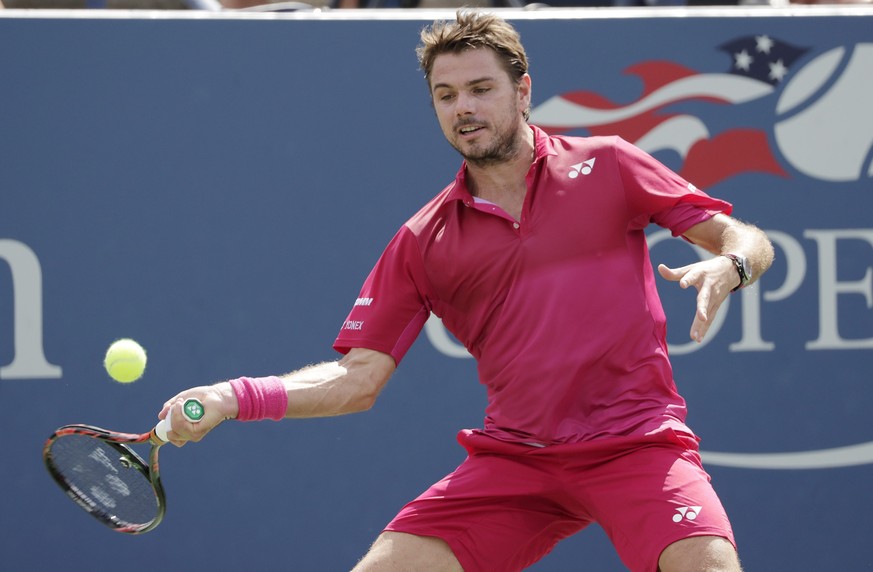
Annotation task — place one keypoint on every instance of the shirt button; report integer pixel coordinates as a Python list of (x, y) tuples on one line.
[(515, 225)]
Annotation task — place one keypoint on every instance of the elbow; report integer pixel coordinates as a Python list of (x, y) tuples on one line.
[(368, 389), (365, 397), (368, 371), (366, 403)]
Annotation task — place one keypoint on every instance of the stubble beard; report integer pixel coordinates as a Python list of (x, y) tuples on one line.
[(504, 148)]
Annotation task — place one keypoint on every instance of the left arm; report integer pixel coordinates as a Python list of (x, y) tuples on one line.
[(716, 277)]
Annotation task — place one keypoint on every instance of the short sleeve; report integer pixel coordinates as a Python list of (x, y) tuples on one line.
[(656, 194), (392, 306)]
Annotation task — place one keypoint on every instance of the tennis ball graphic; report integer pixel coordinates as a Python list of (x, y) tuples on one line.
[(824, 125)]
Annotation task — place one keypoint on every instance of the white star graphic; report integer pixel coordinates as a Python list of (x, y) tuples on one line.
[(763, 44), (778, 70), (743, 60)]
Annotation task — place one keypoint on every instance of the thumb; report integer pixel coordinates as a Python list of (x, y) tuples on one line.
[(167, 409), (672, 274), (677, 274)]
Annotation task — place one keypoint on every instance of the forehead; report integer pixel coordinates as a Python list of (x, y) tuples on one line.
[(456, 69)]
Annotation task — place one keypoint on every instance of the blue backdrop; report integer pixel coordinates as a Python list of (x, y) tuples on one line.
[(218, 188)]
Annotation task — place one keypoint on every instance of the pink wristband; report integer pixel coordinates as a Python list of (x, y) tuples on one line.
[(260, 398)]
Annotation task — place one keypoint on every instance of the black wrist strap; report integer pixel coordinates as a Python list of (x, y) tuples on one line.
[(738, 264)]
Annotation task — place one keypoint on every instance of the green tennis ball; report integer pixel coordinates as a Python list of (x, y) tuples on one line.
[(125, 361)]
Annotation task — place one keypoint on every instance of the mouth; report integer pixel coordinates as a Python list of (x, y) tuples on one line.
[(469, 130)]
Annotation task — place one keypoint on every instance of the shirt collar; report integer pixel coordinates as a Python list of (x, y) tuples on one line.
[(543, 147)]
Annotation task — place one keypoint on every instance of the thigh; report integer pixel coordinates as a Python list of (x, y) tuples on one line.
[(654, 496), (495, 512), (399, 552)]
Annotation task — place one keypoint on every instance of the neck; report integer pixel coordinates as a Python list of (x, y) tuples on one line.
[(492, 180), (504, 184)]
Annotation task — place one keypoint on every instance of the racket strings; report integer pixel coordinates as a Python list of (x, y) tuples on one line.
[(106, 480)]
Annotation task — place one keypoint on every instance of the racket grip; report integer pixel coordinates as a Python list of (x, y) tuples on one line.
[(193, 410), (163, 427)]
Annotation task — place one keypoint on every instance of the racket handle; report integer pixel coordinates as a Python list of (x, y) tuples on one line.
[(193, 410), (163, 427)]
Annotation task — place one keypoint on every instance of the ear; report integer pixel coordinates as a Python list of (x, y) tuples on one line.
[(524, 92)]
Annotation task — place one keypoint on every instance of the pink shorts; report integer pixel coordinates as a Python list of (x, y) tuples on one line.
[(507, 505)]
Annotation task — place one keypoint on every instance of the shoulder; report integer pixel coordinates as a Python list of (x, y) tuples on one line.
[(572, 151), (575, 143), (574, 154), (434, 212)]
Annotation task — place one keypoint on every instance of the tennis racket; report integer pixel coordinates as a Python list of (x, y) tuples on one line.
[(101, 473)]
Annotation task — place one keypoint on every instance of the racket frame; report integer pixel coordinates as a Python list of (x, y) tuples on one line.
[(120, 442)]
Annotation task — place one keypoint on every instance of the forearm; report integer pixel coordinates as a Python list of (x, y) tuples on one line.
[(749, 241), (326, 389), (725, 235)]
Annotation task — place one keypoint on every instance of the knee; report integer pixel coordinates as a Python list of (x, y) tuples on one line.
[(700, 554), (398, 551)]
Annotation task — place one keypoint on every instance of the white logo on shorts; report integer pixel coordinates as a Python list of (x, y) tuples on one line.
[(686, 512)]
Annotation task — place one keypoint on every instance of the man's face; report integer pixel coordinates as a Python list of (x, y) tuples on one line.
[(478, 105)]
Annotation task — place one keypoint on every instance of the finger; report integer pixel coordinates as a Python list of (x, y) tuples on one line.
[(690, 275), (709, 299), (165, 410), (700, 324), (693, 277), (703, 299), (697, 330), (672, 274), (175, 421), (178, 442), (168, 406), (699, 327)]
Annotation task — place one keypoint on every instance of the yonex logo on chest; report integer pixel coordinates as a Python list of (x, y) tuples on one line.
[(585, 168)]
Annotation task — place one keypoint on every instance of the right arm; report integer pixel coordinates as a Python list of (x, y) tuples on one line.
[(348, 385)]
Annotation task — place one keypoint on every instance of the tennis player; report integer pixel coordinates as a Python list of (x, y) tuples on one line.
[(535, 257)]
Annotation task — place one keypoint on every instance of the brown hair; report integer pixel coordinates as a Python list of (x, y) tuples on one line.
[(473, 30)]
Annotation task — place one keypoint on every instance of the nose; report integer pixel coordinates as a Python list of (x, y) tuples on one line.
[(464, 105)]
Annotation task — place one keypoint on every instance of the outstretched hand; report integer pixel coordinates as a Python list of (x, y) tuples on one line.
[(714, 279)]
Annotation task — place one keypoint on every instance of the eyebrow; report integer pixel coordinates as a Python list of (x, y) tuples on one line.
[(470, 83)]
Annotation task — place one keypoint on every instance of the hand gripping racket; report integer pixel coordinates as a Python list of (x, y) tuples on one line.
[(99, 470)]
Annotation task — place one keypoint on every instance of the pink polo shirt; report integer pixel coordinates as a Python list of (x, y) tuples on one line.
[(560, 308)]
